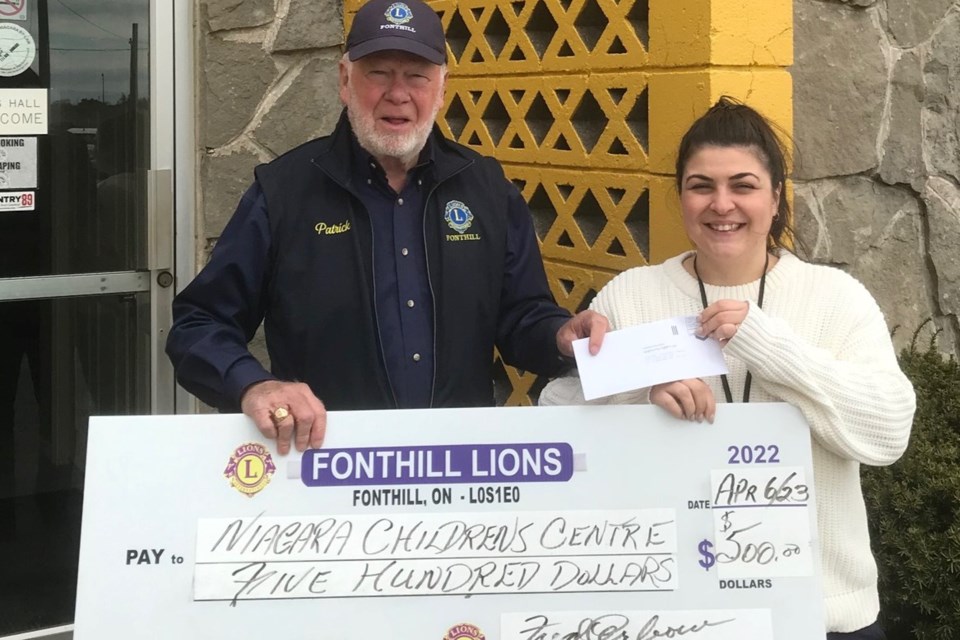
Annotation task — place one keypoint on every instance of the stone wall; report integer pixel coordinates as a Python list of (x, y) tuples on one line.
[(267, 81), (877, 128)]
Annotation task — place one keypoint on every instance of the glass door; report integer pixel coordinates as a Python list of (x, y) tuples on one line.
[(86, 257)]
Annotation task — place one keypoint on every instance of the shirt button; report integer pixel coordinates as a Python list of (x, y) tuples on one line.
[(410, 303), (416, 357), (369, 181), (419, 183), (404, 251), (400, 201)]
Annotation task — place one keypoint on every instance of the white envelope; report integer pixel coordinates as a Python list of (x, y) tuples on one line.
[(645, 355)]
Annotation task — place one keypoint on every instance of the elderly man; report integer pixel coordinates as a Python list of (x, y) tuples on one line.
[(385, 260)]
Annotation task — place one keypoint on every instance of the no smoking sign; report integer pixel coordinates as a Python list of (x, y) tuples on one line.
[(13, 9)]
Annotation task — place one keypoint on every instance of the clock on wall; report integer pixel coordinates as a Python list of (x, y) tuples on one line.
[(17, 49)]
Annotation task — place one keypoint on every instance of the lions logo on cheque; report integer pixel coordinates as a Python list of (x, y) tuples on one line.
[(250, 468), (464, 632), (458, 216)]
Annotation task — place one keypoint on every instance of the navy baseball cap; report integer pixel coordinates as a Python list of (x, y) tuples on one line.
[(410, 26)]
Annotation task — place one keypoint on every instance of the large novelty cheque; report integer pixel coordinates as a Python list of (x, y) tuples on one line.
[(567, 523)]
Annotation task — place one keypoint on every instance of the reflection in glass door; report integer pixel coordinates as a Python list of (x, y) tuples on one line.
[(78, 267)]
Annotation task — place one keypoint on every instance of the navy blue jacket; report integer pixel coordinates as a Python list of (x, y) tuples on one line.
[(306, 272)]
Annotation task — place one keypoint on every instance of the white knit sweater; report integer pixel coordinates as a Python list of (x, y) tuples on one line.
[(820, 343)]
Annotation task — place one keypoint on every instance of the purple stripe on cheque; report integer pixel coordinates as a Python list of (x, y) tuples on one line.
[(438, 464)]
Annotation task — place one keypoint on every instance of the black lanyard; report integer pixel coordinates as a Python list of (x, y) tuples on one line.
[(703, 300)]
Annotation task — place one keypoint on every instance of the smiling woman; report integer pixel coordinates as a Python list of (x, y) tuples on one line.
[(729, 204), (791, 332)]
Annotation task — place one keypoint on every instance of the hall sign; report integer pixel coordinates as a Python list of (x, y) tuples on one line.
[(23, 111)]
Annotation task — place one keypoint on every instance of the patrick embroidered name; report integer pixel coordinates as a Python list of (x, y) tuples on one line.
[(330, 229)]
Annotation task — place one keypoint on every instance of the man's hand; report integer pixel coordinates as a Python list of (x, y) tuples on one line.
[(586, 324), (686, 399), (284, 411)]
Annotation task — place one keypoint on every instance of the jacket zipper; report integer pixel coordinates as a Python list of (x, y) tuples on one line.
[(376, 314), (433, 296)]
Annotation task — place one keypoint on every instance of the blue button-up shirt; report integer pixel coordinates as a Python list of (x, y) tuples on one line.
[(404, 302)]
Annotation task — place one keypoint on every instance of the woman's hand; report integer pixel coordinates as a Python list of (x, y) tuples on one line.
[(722, 319), (686, 399)]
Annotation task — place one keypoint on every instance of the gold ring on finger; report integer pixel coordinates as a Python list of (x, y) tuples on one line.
[(279, 414)]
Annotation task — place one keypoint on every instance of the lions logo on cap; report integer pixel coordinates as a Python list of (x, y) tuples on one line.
[(458, 216), (464, 632), (398, 13)]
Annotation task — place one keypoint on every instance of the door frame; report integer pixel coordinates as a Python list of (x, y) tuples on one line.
[(171, 189), (185, 167)]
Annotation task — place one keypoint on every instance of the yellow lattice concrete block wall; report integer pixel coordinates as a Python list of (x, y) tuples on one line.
[(584, 103)]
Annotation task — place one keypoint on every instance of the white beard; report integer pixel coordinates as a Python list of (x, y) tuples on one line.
[(404, 146)]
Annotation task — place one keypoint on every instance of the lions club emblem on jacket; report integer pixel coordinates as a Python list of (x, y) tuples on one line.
[(250, 468), (458, 216), (464, 632), (398, 13)]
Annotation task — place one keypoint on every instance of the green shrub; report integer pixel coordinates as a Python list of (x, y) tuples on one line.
[(914, 509)]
